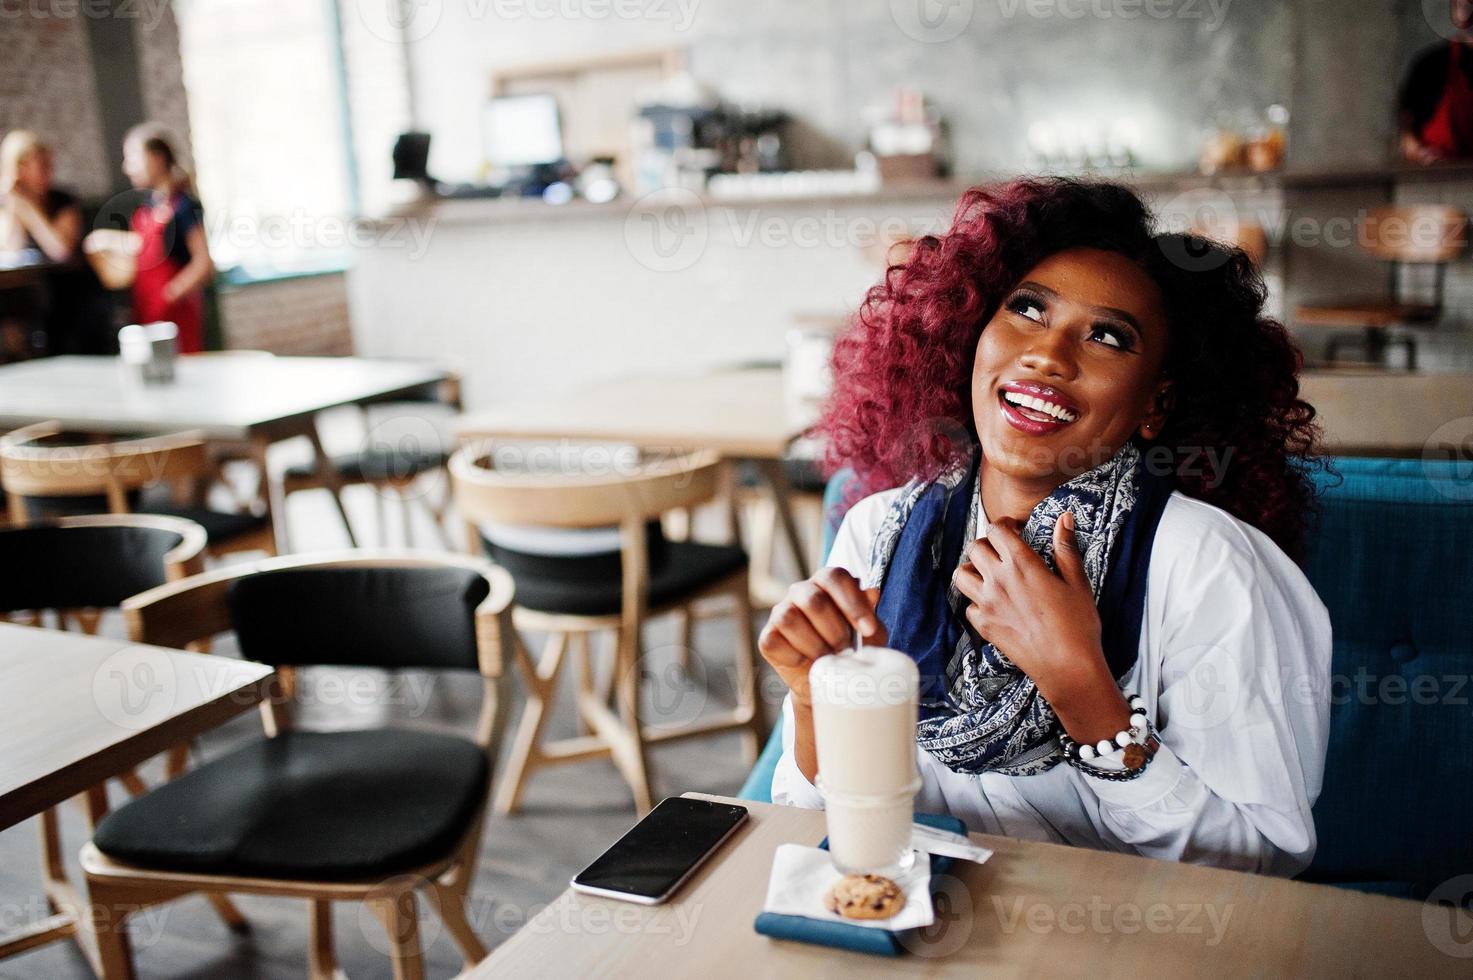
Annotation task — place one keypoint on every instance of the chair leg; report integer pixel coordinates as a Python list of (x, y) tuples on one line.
[(399, 914), (322, 960), (110, 931), (630, 756), (748, 691), (406, 519), (685, 650), (541, 688), (229, 913), (583, 665), (451, 901)]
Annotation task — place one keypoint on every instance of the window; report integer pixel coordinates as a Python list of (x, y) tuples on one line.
[(270, 136)]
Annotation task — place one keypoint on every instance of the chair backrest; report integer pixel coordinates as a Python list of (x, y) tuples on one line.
[(633, 495), (360, 615), (94, 562), (1415, 233), (43, 460), (378, 608), (1388, 557)]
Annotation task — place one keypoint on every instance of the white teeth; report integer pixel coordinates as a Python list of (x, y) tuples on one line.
[(1039, 405)]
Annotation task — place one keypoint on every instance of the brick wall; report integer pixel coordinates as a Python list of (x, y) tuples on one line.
[(307, 315), (46, 85)]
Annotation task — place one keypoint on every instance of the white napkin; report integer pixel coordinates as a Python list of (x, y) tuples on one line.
[(802, 876)]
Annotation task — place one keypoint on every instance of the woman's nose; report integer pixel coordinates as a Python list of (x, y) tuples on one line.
[(1051, 355)]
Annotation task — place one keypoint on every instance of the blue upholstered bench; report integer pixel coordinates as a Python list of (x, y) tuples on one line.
[(1390, 555)]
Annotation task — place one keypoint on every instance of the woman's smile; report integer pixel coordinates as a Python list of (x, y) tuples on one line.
[(1036, 409)]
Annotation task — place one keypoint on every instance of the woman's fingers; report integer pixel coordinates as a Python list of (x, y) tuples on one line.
[(792, 621), (1006, 539), (855, 604), (1066, 551), (968, 582), (822, 612)]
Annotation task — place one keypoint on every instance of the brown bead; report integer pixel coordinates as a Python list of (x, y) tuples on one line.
[(1135, 756)]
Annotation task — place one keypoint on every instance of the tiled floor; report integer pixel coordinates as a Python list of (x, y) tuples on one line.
[(569, 815)]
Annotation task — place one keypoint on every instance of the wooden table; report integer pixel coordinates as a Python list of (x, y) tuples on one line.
[(76, 710), (1367, 412), (255, 401), (743, 414), (1032, 910)]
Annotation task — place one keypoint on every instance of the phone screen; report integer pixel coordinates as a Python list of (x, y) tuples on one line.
[(664, 847)]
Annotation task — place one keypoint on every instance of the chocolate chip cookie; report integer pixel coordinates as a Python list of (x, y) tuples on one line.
[(865, 897)]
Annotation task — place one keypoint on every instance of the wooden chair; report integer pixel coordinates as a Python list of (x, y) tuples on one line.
[(390, 469), (1411, 239), (43, 468), (75, 567), (405, 809), (572, 598)]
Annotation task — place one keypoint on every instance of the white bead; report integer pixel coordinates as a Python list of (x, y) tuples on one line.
[(1138, 721), (1105, 747), (1086, 752), (1123, 739)]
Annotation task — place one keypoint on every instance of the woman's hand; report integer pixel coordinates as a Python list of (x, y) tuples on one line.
[(816, 618), (1046, 623)]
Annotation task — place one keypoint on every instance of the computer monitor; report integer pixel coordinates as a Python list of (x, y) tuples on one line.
[(522, 131), (412, 157)]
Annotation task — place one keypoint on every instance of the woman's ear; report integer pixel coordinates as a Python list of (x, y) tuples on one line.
[(1155, 418)]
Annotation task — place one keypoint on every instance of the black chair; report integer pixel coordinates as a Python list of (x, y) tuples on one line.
[(345, 815)]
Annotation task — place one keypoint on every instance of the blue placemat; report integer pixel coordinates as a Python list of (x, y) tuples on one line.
[(842, 935)]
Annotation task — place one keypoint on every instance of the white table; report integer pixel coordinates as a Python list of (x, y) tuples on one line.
[(254, 401)]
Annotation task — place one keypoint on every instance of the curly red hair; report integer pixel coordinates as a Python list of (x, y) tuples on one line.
[(1237, 433)]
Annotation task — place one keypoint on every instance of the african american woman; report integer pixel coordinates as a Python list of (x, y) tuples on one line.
[(1084, 471)]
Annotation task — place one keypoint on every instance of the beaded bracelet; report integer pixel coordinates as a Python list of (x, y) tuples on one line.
[(1137, 746)]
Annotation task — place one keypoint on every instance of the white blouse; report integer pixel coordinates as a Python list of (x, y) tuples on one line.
[(1234, 667)]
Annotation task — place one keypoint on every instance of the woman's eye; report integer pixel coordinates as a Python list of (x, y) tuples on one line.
[(1109, 336), (1027, 307)]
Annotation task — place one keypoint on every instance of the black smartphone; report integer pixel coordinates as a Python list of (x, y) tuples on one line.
[(648, 863)]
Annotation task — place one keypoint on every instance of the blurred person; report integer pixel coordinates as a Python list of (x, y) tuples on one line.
[(166, 245), (71, 307), (1435, 119)]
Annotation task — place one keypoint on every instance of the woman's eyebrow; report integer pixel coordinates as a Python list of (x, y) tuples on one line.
[(1108, 311)]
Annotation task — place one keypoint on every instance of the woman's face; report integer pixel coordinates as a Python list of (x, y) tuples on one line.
[(33, 172), (1069, 367), (142, 168)]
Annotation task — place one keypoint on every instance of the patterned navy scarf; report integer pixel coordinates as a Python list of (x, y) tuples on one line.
[(979, 712)]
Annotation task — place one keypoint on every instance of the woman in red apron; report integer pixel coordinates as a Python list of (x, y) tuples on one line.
[(173, 257), (1437, 97)]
